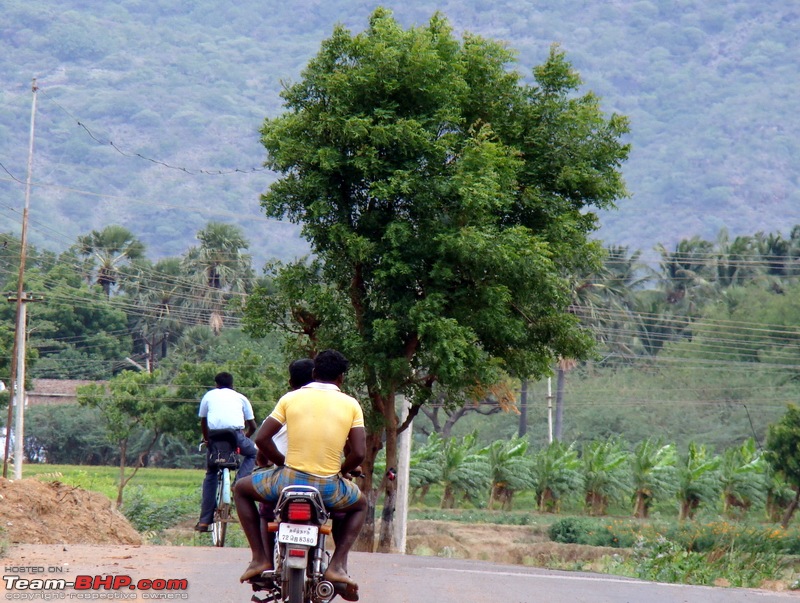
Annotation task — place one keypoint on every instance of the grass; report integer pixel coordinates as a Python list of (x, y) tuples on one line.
[(160, 485)]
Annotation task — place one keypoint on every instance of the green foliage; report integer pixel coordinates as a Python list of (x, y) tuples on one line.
[(697, 479), (665, 561), (653, 475), (556, 474), (783, 444), (147, 515), (594, 532), (743, 473), (510, 470), (71, 435), (605, 473)]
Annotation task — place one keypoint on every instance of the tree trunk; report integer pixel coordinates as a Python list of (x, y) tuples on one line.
[(787, 517), (123, 450), (641, 509), (390, 491), (547, 502), (366, 538)]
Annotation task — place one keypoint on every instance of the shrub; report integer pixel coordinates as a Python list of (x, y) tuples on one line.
[(579, 530), (148, 516), (570, 530)]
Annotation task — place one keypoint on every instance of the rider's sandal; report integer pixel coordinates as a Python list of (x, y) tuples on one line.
[(202, 527)]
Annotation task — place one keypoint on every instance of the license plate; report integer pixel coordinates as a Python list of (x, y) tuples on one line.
[(291, 533)]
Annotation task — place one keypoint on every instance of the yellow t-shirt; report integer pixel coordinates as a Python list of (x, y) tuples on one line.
[(318, 419)]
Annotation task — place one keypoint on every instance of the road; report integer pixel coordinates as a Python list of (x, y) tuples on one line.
[(212, 576)]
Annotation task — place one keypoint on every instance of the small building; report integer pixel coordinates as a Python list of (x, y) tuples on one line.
[(50, 392)]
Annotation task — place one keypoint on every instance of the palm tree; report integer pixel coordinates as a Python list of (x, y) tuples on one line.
[(556, 472), (160, 296), (686, 275), (219, 270), (743, 475), (510, 470), (107, 250), (605, 474), (737, 262), (652, 467), (698, 479)]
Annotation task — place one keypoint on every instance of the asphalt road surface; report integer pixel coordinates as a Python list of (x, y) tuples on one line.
[(212, 576)]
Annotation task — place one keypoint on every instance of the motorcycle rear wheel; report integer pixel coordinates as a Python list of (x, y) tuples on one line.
[(296, 585)]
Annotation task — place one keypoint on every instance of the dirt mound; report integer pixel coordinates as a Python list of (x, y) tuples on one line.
[(35, 512)]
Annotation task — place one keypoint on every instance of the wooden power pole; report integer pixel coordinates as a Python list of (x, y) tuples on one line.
[(18, 357)]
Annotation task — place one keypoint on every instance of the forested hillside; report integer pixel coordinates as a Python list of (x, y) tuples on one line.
[(148, 112)]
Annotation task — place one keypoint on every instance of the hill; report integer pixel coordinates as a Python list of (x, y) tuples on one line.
[(148, 112)]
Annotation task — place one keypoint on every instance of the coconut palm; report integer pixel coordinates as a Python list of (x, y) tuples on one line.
[(605, 474), (107, 250), (698, 479), (653, 474), (556, 473)]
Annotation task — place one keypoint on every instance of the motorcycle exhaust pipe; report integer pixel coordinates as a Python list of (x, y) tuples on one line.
[(324, 590)]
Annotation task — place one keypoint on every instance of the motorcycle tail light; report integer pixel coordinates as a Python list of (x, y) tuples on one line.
[(299, 511)]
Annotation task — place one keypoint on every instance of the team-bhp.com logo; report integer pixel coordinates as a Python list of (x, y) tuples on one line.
[(110, 587)]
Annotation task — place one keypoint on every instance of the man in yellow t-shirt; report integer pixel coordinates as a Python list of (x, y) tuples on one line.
[(319, 420)]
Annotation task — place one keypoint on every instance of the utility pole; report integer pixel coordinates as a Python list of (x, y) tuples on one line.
[(403, 469), (523, 409), (18, 358), (549, 412)]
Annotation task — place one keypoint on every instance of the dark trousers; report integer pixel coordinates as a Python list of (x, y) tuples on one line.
[(248, 451)]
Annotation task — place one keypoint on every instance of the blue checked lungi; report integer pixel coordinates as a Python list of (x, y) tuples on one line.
[(337, 492)]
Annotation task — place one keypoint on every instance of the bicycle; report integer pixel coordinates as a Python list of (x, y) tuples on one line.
[(222, 454)]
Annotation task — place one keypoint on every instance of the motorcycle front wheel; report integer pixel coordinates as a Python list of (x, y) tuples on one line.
[(296, 585)]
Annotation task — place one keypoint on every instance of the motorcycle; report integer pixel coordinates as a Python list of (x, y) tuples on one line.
[(300, 557)]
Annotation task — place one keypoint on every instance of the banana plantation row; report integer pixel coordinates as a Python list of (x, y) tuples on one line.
[(602, 473)]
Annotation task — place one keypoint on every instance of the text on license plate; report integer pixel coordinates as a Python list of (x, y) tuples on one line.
[(296, 534)]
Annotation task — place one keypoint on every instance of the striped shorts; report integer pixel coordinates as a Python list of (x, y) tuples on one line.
[(337, 492)]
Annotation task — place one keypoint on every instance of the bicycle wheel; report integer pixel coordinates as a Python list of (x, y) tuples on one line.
[(222, 512)]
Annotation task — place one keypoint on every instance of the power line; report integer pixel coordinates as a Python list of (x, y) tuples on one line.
[(118, 149)]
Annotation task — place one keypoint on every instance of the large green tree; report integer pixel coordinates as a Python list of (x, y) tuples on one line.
[(444, 196), (783, 455), (128, 402)]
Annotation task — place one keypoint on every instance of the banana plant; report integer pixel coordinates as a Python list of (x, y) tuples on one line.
[(743, 476), (698, 479), (463, 470), (605, 474), (556, 473), (510, 470), (653, 474)]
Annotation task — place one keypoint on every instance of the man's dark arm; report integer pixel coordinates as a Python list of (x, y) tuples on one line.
[(204, 428), (357, 440), (263, 439), (250, 427)]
